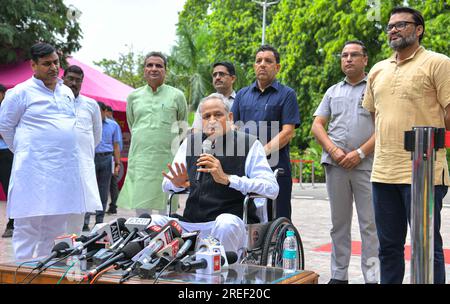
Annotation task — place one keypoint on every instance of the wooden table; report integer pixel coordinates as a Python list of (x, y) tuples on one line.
[(235, 274)]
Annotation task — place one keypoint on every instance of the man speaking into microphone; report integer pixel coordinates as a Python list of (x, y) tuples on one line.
[(218, 181)]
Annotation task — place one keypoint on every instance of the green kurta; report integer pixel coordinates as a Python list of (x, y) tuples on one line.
[(151, 116)]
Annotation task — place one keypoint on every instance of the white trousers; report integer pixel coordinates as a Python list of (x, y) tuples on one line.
[(75, 223), (34, 236), (227, 228)]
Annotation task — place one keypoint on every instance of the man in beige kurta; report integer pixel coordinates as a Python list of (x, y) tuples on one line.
[(155, 114)]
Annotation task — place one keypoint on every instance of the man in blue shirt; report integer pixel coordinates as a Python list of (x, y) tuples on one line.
[(109, 146), (114, 187), (270, 111), (6, 159)]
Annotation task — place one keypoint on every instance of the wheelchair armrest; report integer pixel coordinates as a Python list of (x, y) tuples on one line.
[(246, 201), (169, 199)]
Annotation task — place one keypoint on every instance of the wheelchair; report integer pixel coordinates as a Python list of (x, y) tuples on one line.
[(264, 240)]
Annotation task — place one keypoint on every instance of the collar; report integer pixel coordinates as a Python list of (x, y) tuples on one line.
[(158, 89), (419, 50), (275, 84), (41, 84), (345, 81)]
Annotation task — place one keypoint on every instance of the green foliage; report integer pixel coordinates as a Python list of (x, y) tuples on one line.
[(314, 153), (129, 68), (309, 35), (25, 22)]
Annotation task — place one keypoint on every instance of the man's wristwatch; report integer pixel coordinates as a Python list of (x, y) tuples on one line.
[(360, 153)]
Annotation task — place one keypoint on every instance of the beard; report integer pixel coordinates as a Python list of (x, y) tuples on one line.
[(403, 42)]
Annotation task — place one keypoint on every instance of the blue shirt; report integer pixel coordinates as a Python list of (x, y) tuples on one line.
[(109, 137), (119, 131), (265, 113)]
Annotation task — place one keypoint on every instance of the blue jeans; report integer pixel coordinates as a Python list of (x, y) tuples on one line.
[(392, 206), (103, 171)]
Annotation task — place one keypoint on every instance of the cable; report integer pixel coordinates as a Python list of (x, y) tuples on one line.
[(100, 274), (65, 273), (162, 270), (48, 266), (18, 267)]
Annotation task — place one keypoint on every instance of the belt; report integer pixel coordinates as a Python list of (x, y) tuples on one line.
[(103, 153)]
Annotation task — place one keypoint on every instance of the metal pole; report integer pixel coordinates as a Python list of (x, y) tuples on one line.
[(264, 23), (422, 206)]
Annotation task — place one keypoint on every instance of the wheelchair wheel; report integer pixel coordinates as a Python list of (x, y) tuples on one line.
[(272, 251)]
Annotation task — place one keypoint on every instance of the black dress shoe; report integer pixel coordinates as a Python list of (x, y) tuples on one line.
[(8, 233), (111, 211), (335, 281)]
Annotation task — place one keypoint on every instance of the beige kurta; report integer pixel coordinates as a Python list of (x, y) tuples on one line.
[(155, 120)]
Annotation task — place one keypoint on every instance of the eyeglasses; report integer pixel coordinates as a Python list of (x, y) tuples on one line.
[(352, 55), (399, 25), (220, 74)]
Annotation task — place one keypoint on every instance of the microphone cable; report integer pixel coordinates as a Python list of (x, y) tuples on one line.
[(65, 273), (46, 267), (164, 269), (20, 265), (91, 282)]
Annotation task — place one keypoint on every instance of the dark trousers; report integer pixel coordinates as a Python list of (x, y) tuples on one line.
[(103, 170), (284, 196), (114, 192), (6, 160), (392, 206)]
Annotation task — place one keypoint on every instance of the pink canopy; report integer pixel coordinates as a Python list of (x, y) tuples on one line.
[(96, 85)]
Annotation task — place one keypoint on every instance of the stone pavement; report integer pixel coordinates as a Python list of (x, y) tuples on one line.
[(311, 216)]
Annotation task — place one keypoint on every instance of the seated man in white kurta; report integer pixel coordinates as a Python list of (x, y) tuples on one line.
[(218, 181)]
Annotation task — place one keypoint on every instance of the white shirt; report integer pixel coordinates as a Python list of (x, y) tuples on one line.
[(259, 178), (89, 134), (38, 125)]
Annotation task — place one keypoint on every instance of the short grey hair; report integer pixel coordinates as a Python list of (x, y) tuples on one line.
[(215, 96)]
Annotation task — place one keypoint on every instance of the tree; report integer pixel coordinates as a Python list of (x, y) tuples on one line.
[(128, 68), (25, 22)]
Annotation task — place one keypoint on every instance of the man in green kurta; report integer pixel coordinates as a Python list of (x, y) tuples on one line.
[(155, 114)]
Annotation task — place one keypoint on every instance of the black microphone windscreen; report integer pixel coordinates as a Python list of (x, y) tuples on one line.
[(131, 249), (145, 215), (232, 257), (60, 246)]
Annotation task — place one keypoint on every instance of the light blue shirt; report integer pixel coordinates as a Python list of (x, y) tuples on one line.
[(3, 145), (110, 135)]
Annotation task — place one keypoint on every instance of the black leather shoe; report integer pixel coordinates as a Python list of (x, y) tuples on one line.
[(8, 233), (111, 211), (334, 281)]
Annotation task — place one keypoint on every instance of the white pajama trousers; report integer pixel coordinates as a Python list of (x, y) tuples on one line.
[(227, 228), (34, 236)]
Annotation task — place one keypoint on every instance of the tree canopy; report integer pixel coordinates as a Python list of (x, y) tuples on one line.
[(25, 22), (309, 36)]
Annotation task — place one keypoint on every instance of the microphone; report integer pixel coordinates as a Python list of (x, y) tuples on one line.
[(171, 249), (111, 231), (183, 250), (127, 253), (206, 148), (58, 251), (207, 262)]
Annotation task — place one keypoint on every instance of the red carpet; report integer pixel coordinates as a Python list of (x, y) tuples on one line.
[(356, 250)]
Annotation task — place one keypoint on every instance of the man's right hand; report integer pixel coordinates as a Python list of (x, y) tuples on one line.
[(179, 178), (337, 155)]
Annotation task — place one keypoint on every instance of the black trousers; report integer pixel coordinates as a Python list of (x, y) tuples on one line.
[(6, 160), (114, 192)]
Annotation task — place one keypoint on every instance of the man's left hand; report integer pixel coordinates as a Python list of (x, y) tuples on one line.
[(350, 161), (209, 164), (116, 169)]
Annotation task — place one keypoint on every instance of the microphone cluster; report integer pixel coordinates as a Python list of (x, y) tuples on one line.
[(140, 248)]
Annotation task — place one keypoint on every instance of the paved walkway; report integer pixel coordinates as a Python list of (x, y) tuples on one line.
[(311, 216)]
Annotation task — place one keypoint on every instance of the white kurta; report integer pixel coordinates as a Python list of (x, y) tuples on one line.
[(38, 125), (89, 134)]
